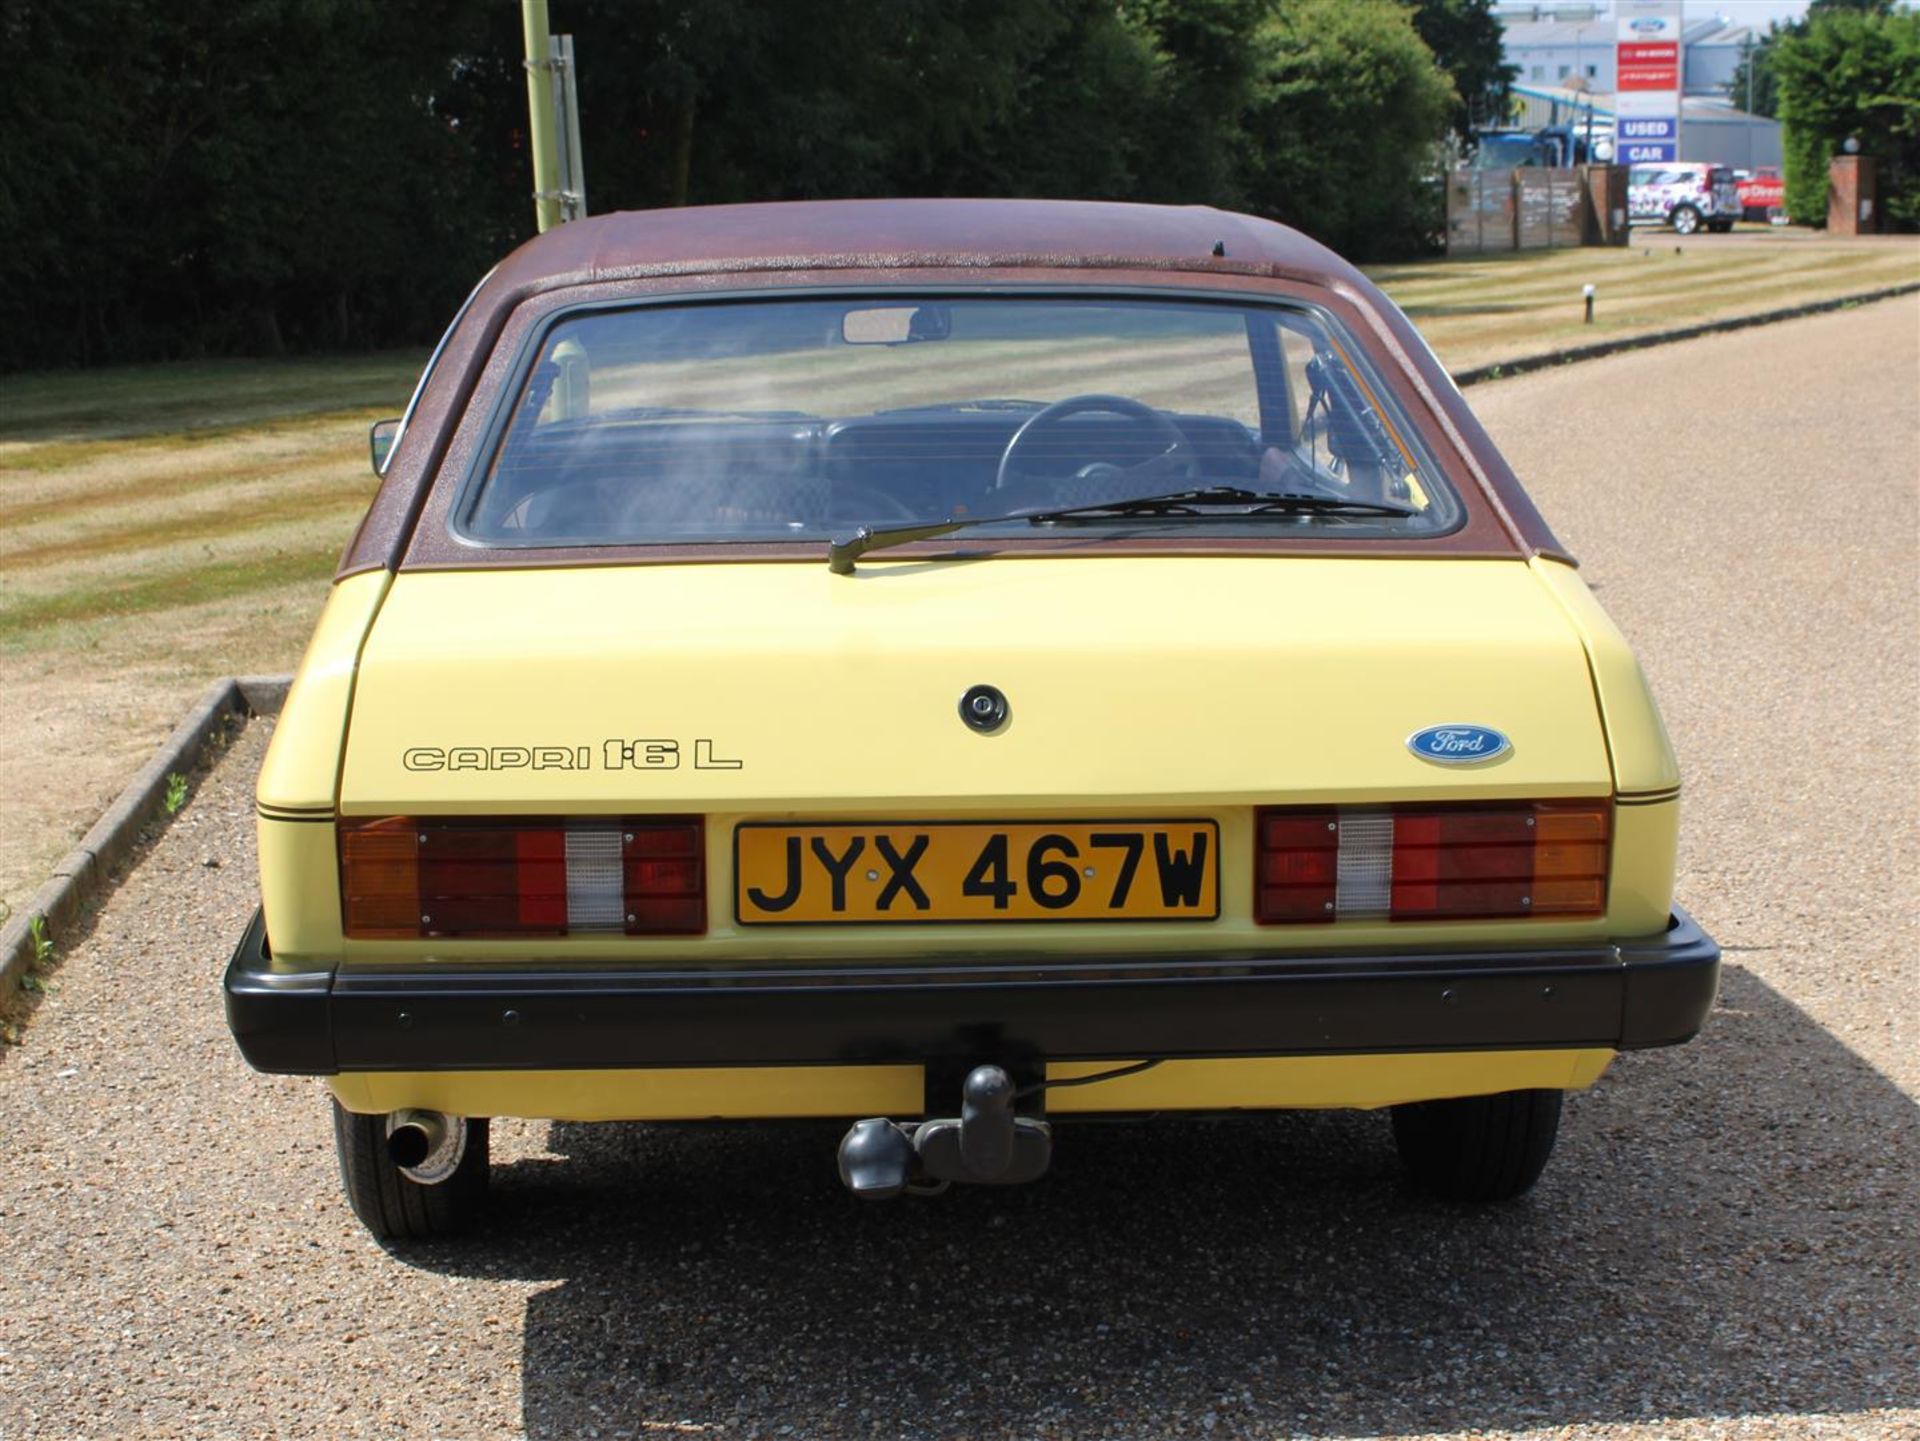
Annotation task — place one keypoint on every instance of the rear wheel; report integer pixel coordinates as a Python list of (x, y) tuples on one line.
[(1685, 219), (391, 1204), (1719, 227), (1478, 1148)]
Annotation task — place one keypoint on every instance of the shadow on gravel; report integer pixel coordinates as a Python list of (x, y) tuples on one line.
[(1726, 1230)]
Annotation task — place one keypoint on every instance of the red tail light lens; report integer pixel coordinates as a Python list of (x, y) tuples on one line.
[(1462, 863), (1299, 865), (405, 877), (1433, 862)]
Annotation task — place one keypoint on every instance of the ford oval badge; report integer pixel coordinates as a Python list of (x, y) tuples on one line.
[(1458, 745)]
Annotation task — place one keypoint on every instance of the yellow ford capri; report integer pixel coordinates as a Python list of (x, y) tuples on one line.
[(953, 667)]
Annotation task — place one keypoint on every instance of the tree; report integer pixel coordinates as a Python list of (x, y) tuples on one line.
[(183, 177), (1465, 38), (1206, 55), (1753, 87), (1862, 7), (1853, 72), (1344, 135)]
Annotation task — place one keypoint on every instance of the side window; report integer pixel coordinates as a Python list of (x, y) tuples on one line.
[(1297, 350), (1342, 434)]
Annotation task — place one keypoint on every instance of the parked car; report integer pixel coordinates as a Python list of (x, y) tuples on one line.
[(1684, 194), (1763, 194), (958, 668)]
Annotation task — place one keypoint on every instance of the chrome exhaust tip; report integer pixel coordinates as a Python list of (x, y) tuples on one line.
[(426, 1146)]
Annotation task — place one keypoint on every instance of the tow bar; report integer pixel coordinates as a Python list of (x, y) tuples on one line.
[(986, 1144)]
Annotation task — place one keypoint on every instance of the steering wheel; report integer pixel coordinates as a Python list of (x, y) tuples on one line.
[(1176, 459)]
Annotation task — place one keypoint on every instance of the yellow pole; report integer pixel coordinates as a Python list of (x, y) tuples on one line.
[(540, 137)]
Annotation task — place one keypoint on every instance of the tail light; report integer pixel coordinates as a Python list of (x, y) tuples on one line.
[(1432, 862), (407, 877)]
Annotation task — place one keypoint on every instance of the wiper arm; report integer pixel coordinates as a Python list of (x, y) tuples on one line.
[(842, 554)]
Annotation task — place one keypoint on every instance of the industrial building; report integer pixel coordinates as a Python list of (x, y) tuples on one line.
[(1564, 53)]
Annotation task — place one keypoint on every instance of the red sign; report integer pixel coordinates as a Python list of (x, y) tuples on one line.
[(1648, 67)]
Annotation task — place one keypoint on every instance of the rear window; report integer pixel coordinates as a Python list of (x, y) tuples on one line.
[(761, 421)]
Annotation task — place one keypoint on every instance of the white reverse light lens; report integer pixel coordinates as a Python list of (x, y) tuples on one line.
[(1365, 884), (596, 891)]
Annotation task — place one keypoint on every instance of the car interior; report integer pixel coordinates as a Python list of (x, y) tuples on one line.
[(747, 430)]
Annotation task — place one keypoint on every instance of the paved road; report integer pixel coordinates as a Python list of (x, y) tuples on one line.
[(1726, 1244)]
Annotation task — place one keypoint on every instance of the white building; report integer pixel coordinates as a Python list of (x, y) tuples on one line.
[(1570, 45), (1564, 53)]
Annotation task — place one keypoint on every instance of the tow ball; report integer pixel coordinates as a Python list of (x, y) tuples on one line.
[(986, 1144)]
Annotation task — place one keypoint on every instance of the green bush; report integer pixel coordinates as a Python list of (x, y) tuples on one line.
[(1346, 126), (1851, 73)]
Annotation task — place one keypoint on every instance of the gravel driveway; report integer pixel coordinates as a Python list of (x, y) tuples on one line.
[(1725, 1245)]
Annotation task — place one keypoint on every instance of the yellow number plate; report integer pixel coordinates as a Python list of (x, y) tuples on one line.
[(966, 871)]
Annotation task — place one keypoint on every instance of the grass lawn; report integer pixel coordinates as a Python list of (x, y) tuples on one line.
[(1479, 311), (161, 526)]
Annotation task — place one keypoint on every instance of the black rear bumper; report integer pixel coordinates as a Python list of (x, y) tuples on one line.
[(1622, 995)]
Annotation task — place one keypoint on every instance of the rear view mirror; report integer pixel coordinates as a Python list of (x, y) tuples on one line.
[(895, 324), (380, 438)]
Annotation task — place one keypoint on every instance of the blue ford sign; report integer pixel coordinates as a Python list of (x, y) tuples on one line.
[(1458, 744)]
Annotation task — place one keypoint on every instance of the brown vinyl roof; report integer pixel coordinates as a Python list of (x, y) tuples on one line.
[(915, 234)]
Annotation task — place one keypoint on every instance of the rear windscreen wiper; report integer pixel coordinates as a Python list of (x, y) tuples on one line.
[(842, 554), (1249, 502)]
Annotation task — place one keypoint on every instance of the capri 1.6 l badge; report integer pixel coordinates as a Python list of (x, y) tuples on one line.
[(1458, 745)]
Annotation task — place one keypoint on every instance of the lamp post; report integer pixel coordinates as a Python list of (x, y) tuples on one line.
[(540, 136)]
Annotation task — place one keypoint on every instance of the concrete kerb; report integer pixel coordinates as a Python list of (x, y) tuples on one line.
[(1502, 369), (81, 874)]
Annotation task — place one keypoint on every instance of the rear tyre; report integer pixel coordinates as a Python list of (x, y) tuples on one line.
[(1685, 219), (394, 1207), (1478, 1148), (1719, 227)]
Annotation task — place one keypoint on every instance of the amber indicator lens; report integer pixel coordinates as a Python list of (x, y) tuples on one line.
[(379, 878), (413, 877), (1433, 862)]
